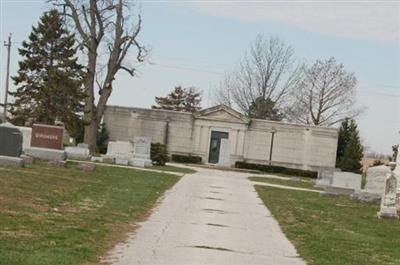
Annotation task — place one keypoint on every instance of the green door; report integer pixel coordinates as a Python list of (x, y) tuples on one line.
[(215, 144)]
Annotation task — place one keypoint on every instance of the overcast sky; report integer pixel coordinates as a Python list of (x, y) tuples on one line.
[(193, 43)]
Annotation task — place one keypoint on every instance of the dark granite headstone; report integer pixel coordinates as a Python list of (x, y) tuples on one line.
[(47, 136), (10, 142)]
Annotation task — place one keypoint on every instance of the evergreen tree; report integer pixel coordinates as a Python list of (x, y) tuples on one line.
[(353, 154), (344, 138), (49, 79), (264, 109), (180, 99)]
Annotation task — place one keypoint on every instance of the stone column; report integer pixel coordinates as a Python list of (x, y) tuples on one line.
[(389, 197), (396, 172)]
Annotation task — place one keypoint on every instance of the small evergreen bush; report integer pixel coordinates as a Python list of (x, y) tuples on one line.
[(159, 154), (277, 169), (186, 159)]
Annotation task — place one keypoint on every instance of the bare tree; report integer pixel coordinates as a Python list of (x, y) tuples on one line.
[(103, 27), (325, 95), (268, 72)]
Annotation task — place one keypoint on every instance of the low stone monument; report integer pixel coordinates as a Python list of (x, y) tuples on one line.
[(375, 184), (47, 142), (10, 147), (388, 201), (10, 142), (47, 136), (26, 134), (80, 152), (141, 153), (119, 151), (344, 183), (325, 176)]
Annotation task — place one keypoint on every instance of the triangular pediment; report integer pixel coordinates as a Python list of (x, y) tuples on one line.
[(222, 113)]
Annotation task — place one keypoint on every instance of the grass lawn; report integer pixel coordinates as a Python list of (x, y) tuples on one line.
[(328, 230), (304, 183), (174, 169), (51, 215)]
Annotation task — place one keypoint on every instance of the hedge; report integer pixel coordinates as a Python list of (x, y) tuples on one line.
[(159, 154), (186, 159), (277, 169)]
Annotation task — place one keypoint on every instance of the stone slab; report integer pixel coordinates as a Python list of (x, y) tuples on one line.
[(376, 177), (115, 148), (121, 160), (140, 162), (10, 141), (46, 153), (346, 180), (47, 136), (11, 161), (77, 152), (142, 147)]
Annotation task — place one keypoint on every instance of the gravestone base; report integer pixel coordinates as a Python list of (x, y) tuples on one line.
[(46, 153), (388, 213), (140, 162), (121, 160), (27, 159), (108, 159), (367, 196), (97, 159), (11, 161)]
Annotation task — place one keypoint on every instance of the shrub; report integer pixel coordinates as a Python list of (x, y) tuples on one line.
[(159, 154), (186, 159), (277, 169)]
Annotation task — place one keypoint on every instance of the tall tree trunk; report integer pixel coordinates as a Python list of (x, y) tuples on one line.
[(90, 118)]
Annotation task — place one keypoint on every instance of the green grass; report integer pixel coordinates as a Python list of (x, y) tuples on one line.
[(174, 169), (51, 215), (334, 231), (302, 183)]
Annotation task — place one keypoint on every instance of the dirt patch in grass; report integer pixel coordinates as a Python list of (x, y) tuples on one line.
[(334, 230)]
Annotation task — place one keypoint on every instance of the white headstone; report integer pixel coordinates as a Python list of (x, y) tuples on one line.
[(346, 180), (123, 148), (141, 152), (388, 201), (376, 177), (77, 152)]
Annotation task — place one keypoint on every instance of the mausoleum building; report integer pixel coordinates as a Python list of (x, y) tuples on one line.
[(222, 136)]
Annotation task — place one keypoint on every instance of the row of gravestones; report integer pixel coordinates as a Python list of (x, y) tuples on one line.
[(128, 153), (46, 142)]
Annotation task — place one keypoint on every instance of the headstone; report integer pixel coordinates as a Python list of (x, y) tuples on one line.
[(26, 134), (344, 183), (388, 201), (46, 153), (141, 153), (47, 136), (83, 145), (122, 160), (124, 148), (10, 141), (11, 161), (396, 172), (77, 152), (325, 176), (375, 184)]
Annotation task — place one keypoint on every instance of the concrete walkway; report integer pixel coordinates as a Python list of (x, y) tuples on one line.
[(212, 217)]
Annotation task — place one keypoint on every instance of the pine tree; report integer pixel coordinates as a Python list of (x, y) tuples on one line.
[(49, 79), (344, 138), (353, 154), (180, 99)]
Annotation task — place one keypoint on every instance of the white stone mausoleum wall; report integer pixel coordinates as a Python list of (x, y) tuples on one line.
[(296, 146)]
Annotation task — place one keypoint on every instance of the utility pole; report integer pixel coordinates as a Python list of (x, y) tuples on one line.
[(8, 45)]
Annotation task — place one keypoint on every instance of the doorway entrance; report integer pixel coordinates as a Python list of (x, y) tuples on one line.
[(219, 148)]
